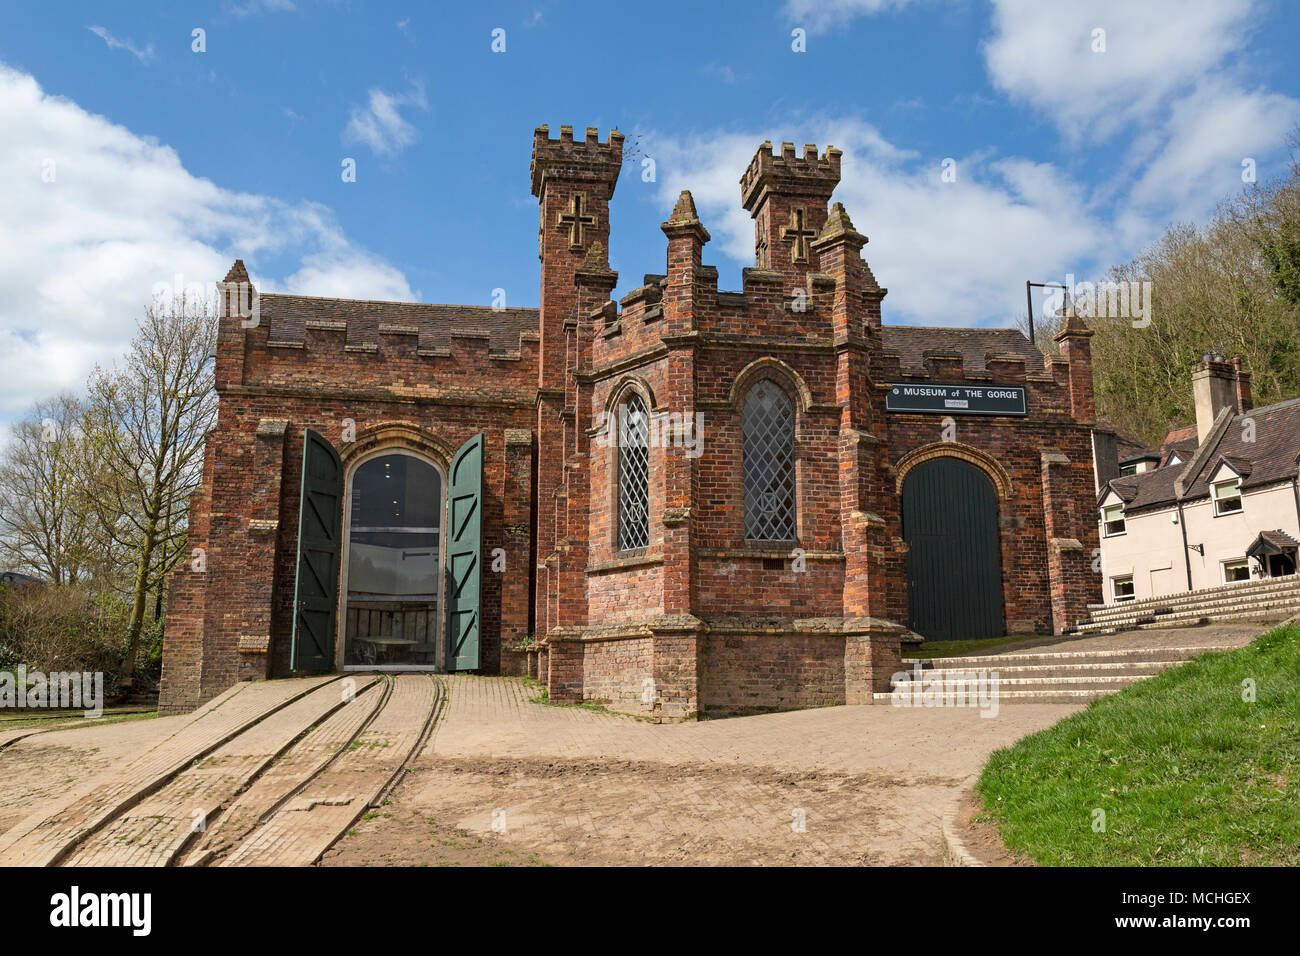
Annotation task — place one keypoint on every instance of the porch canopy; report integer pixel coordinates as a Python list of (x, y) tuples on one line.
[(1272, 542)]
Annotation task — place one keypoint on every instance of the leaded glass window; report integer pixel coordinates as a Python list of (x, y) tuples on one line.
[(768, 444), (633, 474)]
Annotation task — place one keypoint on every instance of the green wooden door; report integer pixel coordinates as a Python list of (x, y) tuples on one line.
[(465, 556), (320, 530), (954, 565)]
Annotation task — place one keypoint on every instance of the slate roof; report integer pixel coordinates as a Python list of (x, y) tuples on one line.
[(910, 341), (1271, 458), (288, 316)]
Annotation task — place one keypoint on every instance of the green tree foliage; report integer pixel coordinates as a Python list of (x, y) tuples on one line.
[(1231, 287)]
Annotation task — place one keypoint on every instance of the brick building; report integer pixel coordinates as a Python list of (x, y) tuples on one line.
[(690, 499)]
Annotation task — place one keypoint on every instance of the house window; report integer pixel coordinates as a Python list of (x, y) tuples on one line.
[(633, 475), (1238, 570), (768, 447), (1121, 589), (1227, 496), (1113, 518)]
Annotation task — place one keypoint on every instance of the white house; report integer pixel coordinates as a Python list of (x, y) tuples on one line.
[(1224, 509)]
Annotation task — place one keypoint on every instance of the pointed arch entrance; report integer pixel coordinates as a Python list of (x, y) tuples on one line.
[(954, 566)]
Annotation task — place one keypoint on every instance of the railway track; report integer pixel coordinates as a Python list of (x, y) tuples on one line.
[(269, 773)]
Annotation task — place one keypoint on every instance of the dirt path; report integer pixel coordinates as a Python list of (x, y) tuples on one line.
[(509, 781)]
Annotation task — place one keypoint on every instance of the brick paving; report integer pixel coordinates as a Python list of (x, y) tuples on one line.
[(282, 769), (44, 837), (285, 777), (153, 831), (313, 819), (1210, 636)]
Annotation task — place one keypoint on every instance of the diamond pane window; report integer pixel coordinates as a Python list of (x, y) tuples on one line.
[(768, 440), (633, 475)]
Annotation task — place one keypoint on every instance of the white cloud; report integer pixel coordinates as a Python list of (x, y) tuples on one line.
[(953, 253), (1042, 54), (80, 256), (254, 8), (818, 16), (380, 124), (144, 56)]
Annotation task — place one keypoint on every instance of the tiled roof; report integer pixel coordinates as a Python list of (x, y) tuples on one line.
[(1269, 458), (1271, 542), (1125, 444), (288, 316), (910, 341)]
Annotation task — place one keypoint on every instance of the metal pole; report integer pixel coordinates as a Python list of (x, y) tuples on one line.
[(1029, 304)]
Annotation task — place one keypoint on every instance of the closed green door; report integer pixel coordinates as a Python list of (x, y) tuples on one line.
[(954, 565), (465, 556), (320, 524)]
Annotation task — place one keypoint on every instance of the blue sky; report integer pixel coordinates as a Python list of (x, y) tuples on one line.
[(173, 162)]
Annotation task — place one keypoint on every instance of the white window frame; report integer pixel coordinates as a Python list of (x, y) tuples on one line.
[(1115, 596), (1106, 531), (1219, 497), (1223, 570)]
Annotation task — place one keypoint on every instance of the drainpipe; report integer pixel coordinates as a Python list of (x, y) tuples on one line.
[(1295, 490), (1187, 558)]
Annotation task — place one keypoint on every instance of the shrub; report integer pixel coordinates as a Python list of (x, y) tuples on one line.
[(63, 628)]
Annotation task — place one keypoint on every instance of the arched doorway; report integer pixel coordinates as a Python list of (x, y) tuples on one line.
[(393, 563), (954, 566)]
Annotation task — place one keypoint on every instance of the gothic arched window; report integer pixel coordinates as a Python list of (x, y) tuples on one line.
[(767, 422), (633, 474)]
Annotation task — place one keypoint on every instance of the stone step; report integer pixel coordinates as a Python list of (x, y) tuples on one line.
[(1097, 669), (1081, 682), (1208, 606), (1015, 697), (1264, 620), (1229, 593), (1119, 655), (1279, 611)]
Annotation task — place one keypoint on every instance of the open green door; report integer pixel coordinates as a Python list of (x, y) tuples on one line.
[(465, 555), (320, 530)]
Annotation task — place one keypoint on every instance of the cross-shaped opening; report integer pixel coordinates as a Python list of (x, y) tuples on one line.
[(798, 233), (575, 220)]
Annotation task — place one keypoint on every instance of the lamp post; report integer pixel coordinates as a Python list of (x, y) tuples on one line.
[(1029, 301)]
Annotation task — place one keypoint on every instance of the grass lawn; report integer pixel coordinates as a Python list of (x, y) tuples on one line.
[(933, 649), (1188, 773)]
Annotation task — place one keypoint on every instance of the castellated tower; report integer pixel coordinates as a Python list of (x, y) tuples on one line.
[(573, 181), (786, 194)]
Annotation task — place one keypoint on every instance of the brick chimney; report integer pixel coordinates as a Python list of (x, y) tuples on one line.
[(1214, 388), (1245, 402)]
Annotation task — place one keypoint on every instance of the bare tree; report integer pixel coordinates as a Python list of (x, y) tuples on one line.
[(146, 424), (44, 512)]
